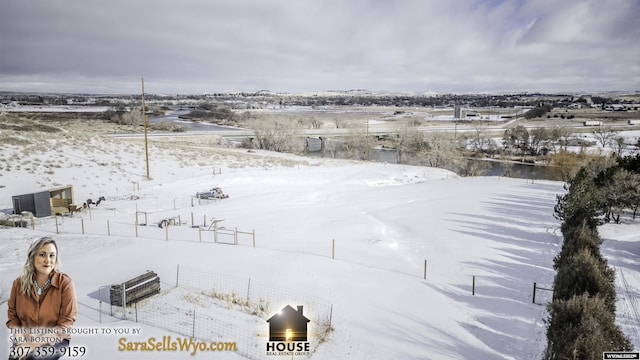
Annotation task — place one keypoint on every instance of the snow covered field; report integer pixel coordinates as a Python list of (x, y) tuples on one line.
[(386, 221)]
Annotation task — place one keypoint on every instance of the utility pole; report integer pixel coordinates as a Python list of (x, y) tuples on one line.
[(146, 143), (367, 141)]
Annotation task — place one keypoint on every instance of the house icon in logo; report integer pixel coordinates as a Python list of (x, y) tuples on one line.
[(288, 325)]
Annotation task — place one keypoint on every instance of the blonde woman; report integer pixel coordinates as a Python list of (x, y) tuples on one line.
[(41, 305)]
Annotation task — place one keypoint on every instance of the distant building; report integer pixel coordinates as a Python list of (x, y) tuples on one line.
[(615, 107)]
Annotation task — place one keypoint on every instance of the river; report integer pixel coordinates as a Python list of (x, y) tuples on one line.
[(517, 170), (174, 116)]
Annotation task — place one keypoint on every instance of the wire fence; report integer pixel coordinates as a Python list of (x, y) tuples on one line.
[(160, 225), (209, 306)]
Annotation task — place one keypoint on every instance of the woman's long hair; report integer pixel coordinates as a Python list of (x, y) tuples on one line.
[(29, 270)]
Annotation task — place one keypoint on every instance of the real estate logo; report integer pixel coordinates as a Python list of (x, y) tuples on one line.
[(620, 355), (288, 332)]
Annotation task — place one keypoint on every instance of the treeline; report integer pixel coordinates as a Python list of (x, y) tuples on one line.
[(211, 112), (347, 99), (581, 323)]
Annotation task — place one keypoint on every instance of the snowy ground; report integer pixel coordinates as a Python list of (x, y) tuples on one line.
[(386, 220)]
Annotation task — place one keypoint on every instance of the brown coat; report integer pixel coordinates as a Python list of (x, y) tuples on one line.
[(56, 308)]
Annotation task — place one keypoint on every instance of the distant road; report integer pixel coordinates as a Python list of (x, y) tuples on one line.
[(373, 130), (223, 133)]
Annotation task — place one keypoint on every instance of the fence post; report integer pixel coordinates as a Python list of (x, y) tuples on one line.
[(108, 228), (330, 314), (136, 222), (177, 274), (534, 293), (235, 237), (200, 234), (57, 231), (205, 220), (333, 248), (425, 269), (473, 286), (193, 331), (192, 218), (124, 301), (82, 224), (248, 289), (254, 237), (166, 231)]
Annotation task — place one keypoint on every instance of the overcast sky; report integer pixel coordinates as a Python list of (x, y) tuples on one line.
[(196, 46)]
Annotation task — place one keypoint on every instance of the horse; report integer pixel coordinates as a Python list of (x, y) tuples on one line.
[(73, 208), (91, 202)]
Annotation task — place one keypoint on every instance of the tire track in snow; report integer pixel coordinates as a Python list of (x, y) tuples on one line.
[(630, 301)]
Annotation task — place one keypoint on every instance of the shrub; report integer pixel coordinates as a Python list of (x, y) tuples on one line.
[(584, 273), (537, 112), (583, 202), (582, 327), (576, 239)]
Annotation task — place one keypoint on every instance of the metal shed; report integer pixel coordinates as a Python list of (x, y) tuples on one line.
[(44, 203)]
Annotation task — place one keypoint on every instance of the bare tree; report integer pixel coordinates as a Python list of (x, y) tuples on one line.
[(338, 122), (356, 145), (436, 149), (564, 165), (330, 145), (315, 123), (516, 138), (538, 140), (622, 192), (619, 145), (406, 135), (604, 135), (133, 117), (480, 142), (472, 167), (276, 136), (507, 168), (560, 135)]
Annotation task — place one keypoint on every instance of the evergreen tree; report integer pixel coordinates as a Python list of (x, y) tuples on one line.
[(581, 321), (582, 202), (621, 192), (576, 239), (582, 327), (583, 273)]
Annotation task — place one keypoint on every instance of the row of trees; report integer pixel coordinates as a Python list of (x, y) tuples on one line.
[(581, 322), (539, 141), (443, 149), (436, 149), (364, 98)]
